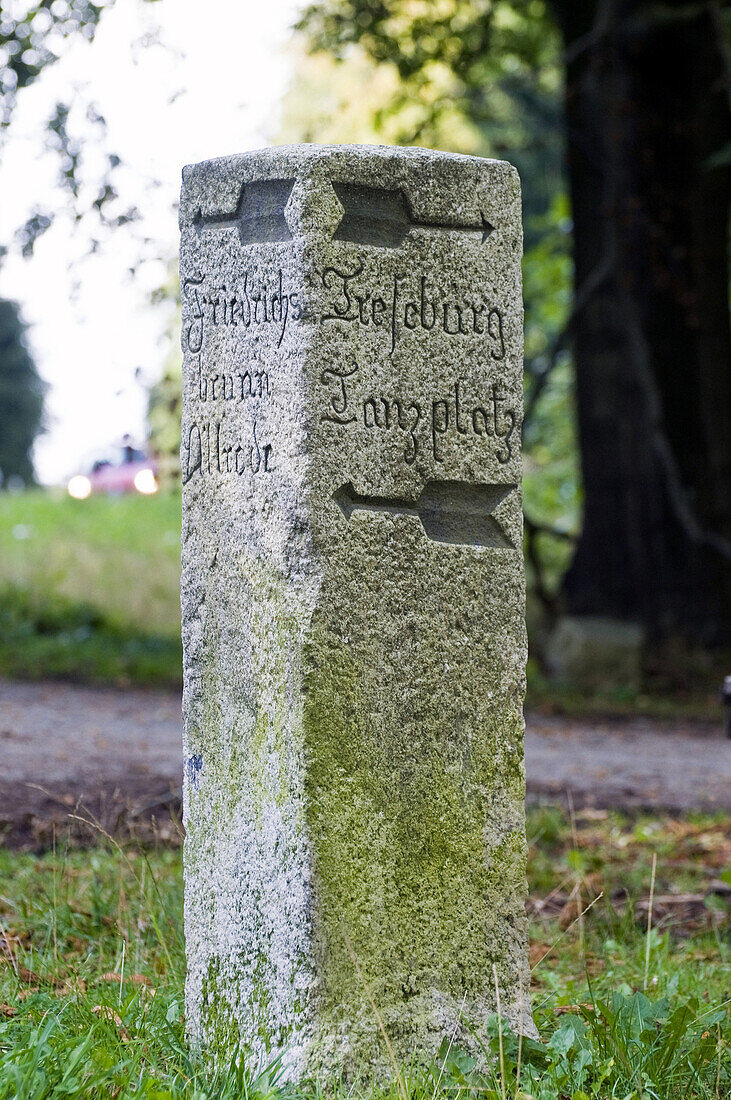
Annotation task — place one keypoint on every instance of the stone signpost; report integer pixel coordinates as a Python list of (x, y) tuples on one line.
[(353, 602)]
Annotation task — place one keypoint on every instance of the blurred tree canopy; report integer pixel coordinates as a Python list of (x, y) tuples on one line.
[(21, 399), (32, 37), (645, 113)]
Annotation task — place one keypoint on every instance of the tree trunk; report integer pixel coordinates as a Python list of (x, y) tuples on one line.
[(647, 111)]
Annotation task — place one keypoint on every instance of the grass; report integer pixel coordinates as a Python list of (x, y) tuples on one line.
[(89, 591), (91, 977), (675, 699)]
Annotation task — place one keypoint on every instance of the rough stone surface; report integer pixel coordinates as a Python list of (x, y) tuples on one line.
[(353, 601)]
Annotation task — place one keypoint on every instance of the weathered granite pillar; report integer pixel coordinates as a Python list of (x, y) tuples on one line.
[(353, 593)]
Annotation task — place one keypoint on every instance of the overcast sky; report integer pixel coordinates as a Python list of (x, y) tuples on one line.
[(211, 87)]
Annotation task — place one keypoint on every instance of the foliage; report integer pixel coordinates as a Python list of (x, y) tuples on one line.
[(631, 1044), (551, 473), (34, 36), (321, 106), (91, 974), (164, 410), (21, 399), (91, 195), (31, 38)]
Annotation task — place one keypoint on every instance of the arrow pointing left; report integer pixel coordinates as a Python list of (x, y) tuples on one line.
[(455, 512), (259, 214)]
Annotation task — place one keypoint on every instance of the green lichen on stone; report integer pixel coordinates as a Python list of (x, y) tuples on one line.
[(276, 624), (248, 755), (217, 1021), (409, 877)]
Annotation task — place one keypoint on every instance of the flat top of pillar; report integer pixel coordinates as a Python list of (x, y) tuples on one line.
[(311, 154)]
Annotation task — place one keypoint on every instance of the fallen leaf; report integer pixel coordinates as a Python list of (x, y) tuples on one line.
[(549, 906), (8, 1010), (74, 985), (11, 941), (594, 880), (570, 913), (108, 1013), (136, 979), (8, 946), (537, 952)]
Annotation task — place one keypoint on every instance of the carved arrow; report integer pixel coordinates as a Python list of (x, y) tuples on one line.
[(382, 217), (455, 512), (259, 215)]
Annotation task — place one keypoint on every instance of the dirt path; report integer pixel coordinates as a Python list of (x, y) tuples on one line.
[(115, 755)]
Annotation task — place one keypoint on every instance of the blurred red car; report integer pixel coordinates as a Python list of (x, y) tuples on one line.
[(124, 469)]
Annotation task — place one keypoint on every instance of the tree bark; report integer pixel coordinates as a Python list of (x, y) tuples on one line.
[(647, 111)]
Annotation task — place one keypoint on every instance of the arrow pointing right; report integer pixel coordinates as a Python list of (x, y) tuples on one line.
[(383, 217), (483, 227)]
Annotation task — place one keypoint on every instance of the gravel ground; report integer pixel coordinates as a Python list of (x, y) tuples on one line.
[(114, 756)]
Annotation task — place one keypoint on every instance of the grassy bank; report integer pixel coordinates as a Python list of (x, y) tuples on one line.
[(91, 975), (89, 590)]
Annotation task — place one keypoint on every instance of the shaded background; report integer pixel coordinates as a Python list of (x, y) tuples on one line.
[(617, 117)]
